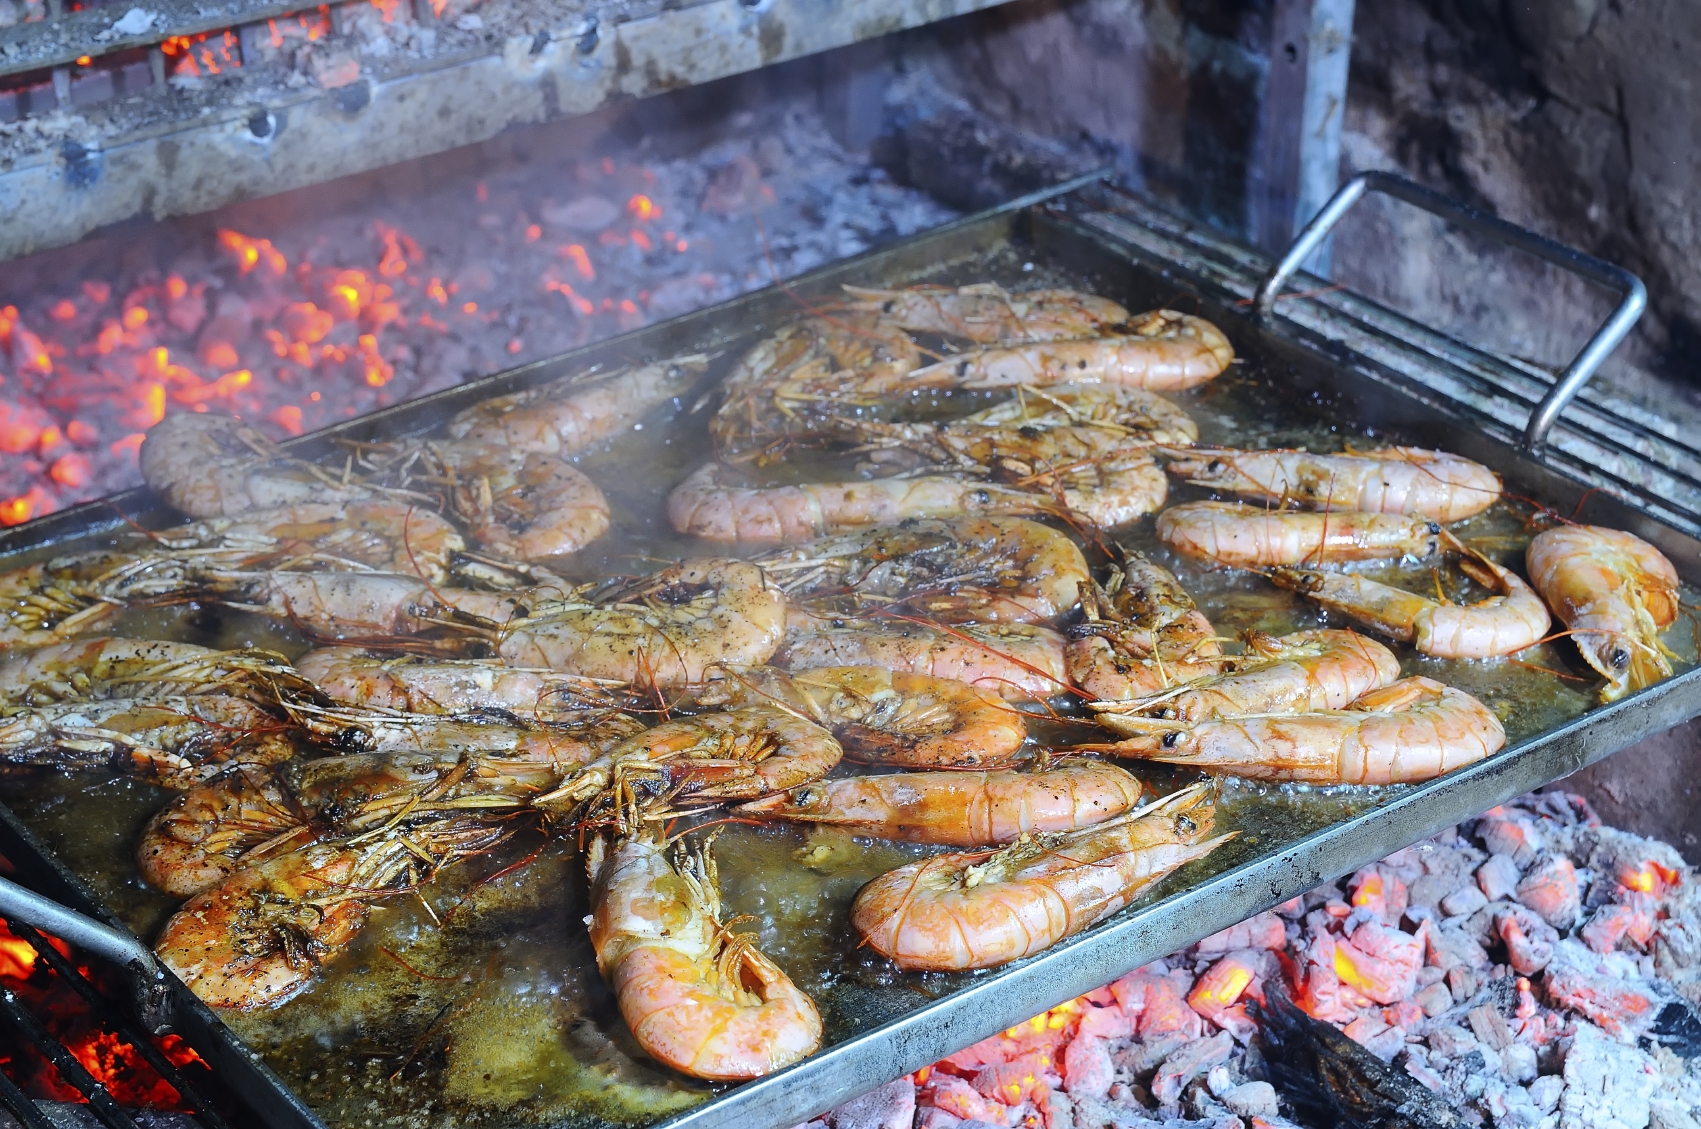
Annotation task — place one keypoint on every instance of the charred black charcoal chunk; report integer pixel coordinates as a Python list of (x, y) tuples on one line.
[(1331, 1080)]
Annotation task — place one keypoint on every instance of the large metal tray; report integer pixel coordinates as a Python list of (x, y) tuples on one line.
[(1098, 234)]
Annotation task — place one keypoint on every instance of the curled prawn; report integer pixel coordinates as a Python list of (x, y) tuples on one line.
[(745, 752), (258, 938), (805, 377), (1298, 673), (1021, 661), (574, 414), (987, 313), (981, 909), (1615, 592), (987, 569), (1503, 624), (209, 465), (888, 717), (1242, 536), (1393, 480), (518, 503), (959, 809), (701, 999), (1161, 351), (1410, 731), (1141, 633)]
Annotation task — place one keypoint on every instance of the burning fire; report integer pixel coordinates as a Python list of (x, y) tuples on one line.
[(297, 337), (114, 1063)]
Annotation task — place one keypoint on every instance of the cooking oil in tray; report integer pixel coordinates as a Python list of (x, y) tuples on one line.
[(475, 1001)]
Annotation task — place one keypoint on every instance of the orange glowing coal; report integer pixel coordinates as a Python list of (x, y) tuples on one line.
[(1648, 878), (292, 336), (206, 53), (252, 253)]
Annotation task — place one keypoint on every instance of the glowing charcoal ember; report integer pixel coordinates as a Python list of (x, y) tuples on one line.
[(1383, 894), (956, 1097), (1022, 1080), (1550, 891), (1087, 1068), (1593, 986), (1379, 962), (1498, 877)]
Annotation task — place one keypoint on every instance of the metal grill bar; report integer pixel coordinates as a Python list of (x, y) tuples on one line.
[(106, 1111), (201, 1109), (19, 1105)]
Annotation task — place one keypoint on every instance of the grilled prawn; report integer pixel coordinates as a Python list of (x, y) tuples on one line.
[(701, 999), (747, 751), (258, 938), (1392, 480), (1410, 731), (1242, 536), (1040, 429), (172, 741), (572, 415), (807, 376), (1104, 492), (1021, 661), (1298, 673), (988, 314), (986, 569), (1161, 351), (1141, 634), (981, 909), (1502, 624), (959, 809), (100, 668), (886, 717), (1615, 592), (664, 629), (420, 685), (252, 813)]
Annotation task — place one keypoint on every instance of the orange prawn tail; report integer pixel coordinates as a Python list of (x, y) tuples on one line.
[(680, 1012)]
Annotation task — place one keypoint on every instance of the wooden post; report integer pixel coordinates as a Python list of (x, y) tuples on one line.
[(1297, 153)]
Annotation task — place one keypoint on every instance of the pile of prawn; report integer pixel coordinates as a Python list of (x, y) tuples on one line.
[(872, 665)]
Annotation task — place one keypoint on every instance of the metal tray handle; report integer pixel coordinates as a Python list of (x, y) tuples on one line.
[(151, 993), (1599, 271)]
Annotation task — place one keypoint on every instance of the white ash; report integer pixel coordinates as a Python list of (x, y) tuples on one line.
[(1516, 965)]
